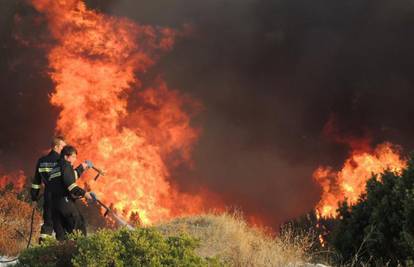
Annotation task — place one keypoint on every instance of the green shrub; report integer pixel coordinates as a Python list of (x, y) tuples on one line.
[(379, 228), (50, 253), (140, 247)]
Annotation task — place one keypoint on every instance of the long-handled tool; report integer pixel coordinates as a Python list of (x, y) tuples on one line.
[(109, 211), (100, 172)]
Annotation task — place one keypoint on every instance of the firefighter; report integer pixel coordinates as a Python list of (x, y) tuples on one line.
[(44, 167), (65, 191)]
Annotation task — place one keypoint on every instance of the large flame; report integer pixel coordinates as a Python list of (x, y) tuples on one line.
[(349, 183), (134, 133)]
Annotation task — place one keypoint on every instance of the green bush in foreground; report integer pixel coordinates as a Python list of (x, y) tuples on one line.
[(379, 228), (140, 247)]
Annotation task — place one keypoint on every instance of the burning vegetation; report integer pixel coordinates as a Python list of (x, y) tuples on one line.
[(15, 219), (349, 183)]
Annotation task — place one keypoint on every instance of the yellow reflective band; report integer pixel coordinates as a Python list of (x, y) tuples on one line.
[(54, 175), (47, 164), (72, 186), (36, 186), (45, 169), (76, 175)]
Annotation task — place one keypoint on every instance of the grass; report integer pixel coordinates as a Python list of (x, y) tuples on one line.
[(229, 237)]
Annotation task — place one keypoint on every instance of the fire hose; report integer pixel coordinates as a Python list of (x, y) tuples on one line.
[(31, 227)]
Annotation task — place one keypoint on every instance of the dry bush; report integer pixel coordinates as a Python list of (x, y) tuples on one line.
[(15, 218), (237, 244)]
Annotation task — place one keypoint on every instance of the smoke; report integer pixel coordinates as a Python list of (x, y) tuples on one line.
[(26, 117), (270, 75)]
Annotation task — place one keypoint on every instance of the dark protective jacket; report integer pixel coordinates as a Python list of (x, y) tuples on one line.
[(44, 168), (62, 181)]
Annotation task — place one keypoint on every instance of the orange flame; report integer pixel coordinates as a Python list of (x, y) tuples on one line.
[(96, 65), (349, 183)]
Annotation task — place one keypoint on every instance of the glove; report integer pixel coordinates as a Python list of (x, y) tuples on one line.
[(93, 195), (93, 198), (89, 163), (34, 193)]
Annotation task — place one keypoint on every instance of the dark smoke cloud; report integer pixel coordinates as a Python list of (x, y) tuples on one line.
[(26, 117), (270, 73)]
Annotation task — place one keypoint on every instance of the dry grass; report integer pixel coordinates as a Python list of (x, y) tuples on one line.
[(237, 244), (15, 220)]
